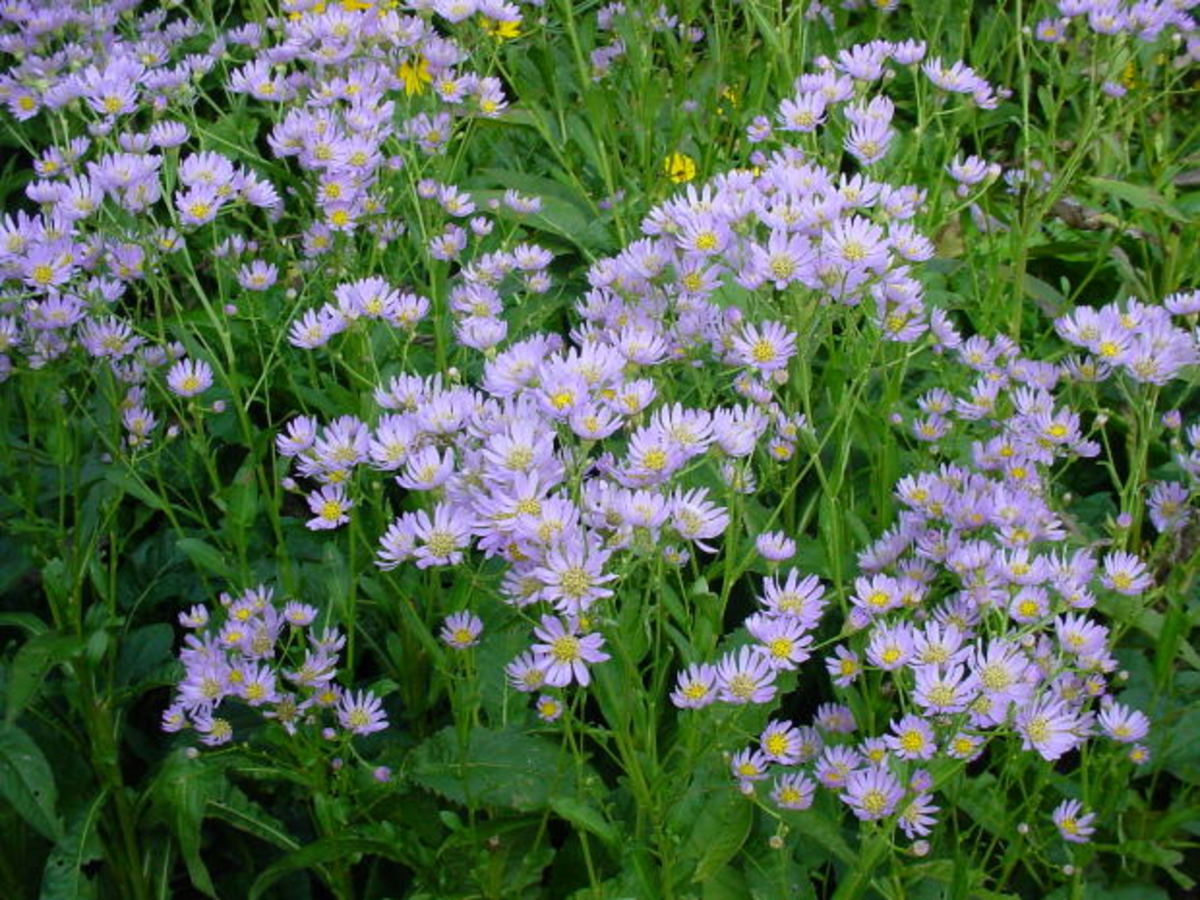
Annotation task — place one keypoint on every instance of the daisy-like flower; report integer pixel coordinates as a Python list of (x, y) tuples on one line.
[(794, 790), (775, 546), (1050, 727), (1121, 723), (1072, 822), (872, 793), (299, 615), (782, 742), (361, 713), (329, 506), (526, 673), (190, 377), (749, 765), (461, 630), (912, 738), (564, 653), (1125, 574), (766, 347), (917, 819), (746, 677), (573, 574), (844, 666), (800, 596), (695, 687), (441, 538), (549, 709), (782, 641)]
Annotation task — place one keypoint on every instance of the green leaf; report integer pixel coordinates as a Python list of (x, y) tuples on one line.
[(720, 830), (26, 781), (1138, 196), (143, 651), (135, 488), (586, 818), (182, 790), (328, 849), (206, 557), (31, 664), (63, 877), (495, 768)]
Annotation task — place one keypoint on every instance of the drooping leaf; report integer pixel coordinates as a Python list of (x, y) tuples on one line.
[(63, 877), (27, 782)]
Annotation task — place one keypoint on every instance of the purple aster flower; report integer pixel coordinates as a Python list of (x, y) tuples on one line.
[(748, 765), (782, 742), (783, 641), (835, 765), (565, 653), (835, 718), (916, 819), (800, 596), (329, 506), (872, 793), (573, 573), (190, 377), (1123, 724), (843, 665), (440, 539), (695, 687), (946, 690), (1125, 574), (527, 673), (361, 713), (793, 790), (549, 709), (696, 519), (1051, 727), (1072, 823), (461, 630), (775, 546), (746, 677), (912, 738), (1168, 508)]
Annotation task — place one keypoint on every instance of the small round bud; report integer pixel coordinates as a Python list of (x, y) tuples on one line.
[(231, 309), (775, 842), (1124, 520), (329, 734), (1022, 828), (219, 406), (336, 763), (1068, 870), (382, 774), (191, 753), (920, 848)]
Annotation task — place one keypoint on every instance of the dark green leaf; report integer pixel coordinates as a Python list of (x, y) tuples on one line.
[(26, 781)]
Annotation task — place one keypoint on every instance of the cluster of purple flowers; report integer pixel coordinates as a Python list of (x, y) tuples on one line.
[(348, 82), (1147, 20), (1140, 340), (270, 659), (974, 603)]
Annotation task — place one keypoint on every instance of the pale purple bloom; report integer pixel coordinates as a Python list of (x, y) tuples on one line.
[(564, 653), (695, 687), (461, 630), (872, 793), (190, 377), (745, 677), (1072, 822), (361, 713)]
